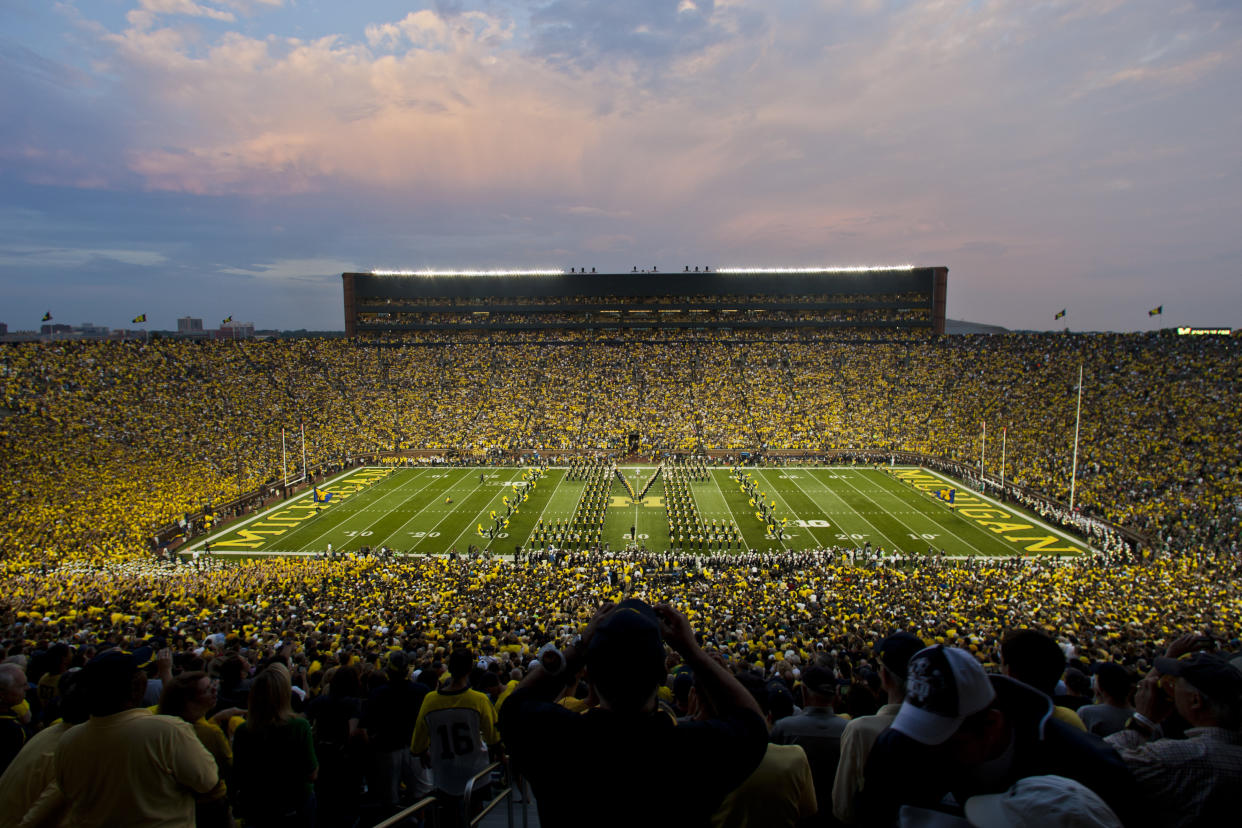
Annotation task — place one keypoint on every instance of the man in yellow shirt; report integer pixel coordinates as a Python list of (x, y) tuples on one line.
[(455, 727), (125, 765)]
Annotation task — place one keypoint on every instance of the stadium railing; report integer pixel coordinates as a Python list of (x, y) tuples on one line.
[(408, 813), (503, 795)]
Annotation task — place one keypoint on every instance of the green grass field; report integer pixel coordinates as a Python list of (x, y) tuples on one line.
[(431, 510)]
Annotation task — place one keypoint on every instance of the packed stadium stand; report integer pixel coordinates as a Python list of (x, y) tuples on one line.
[(108, 448)]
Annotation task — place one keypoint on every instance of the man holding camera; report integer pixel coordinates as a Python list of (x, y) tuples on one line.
[(627, 761)]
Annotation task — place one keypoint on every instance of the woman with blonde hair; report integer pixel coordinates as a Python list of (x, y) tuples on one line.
[(274, 757)]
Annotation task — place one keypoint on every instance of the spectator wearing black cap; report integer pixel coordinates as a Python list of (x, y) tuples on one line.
[(1191, 781), (963, 732), (626, 762), (859, 735), (817, 730), (126, 765), (1113, 686)]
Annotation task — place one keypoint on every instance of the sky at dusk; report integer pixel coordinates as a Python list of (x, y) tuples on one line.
[(233, 157)]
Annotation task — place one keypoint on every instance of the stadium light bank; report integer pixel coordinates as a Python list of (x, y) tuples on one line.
[(723, 270), (856, 269), (467, 272)]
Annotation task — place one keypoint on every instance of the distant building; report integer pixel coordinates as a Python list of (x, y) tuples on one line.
[(55, 328), (89, 330), (236, 330), (189, 325), (4, 328)]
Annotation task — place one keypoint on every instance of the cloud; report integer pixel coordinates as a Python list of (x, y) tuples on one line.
[(596, 212), (847, 131), (615, 243), (305, 271), (30, 256), (647, 35), (145, 15), (1180, 73)]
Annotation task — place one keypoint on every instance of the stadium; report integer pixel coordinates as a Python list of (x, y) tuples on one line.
[(797, 461)]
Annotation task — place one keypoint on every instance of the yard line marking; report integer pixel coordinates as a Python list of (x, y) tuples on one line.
[(929, 516), (342, 523), (903, 523), (345, 520), (337, 516), (847, 505), (551, 497), (500, 494), (453, 486)]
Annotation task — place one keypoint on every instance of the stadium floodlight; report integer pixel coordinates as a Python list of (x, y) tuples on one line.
[(858, 269), (467, 272)]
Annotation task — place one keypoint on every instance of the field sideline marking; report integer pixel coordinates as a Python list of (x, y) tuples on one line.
[(343, 521), (235, 526), (940, 506), (810, 530), (1086, 546), (362, 509)]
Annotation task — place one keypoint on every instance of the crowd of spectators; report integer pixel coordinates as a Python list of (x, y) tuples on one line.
[(290, 658), (102, 442)]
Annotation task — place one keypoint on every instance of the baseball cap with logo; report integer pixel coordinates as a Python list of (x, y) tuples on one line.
[(944, 685)]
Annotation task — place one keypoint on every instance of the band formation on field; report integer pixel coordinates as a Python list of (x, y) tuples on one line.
[(874, 511)]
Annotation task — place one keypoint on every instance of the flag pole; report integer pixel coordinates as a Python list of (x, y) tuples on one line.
[(983, 448), (284, 460), (1004, 441), (1077, 424)]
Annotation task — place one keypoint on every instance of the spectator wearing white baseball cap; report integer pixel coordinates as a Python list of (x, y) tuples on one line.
[(963, 732)]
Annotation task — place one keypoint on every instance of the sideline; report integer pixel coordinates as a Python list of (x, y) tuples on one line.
[(1087, 547), (233, 527)]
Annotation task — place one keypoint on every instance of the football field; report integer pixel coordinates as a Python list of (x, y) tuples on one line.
[(431, 510)]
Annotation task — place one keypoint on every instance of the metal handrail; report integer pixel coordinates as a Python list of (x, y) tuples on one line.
[(398, 818), (467, 795)]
